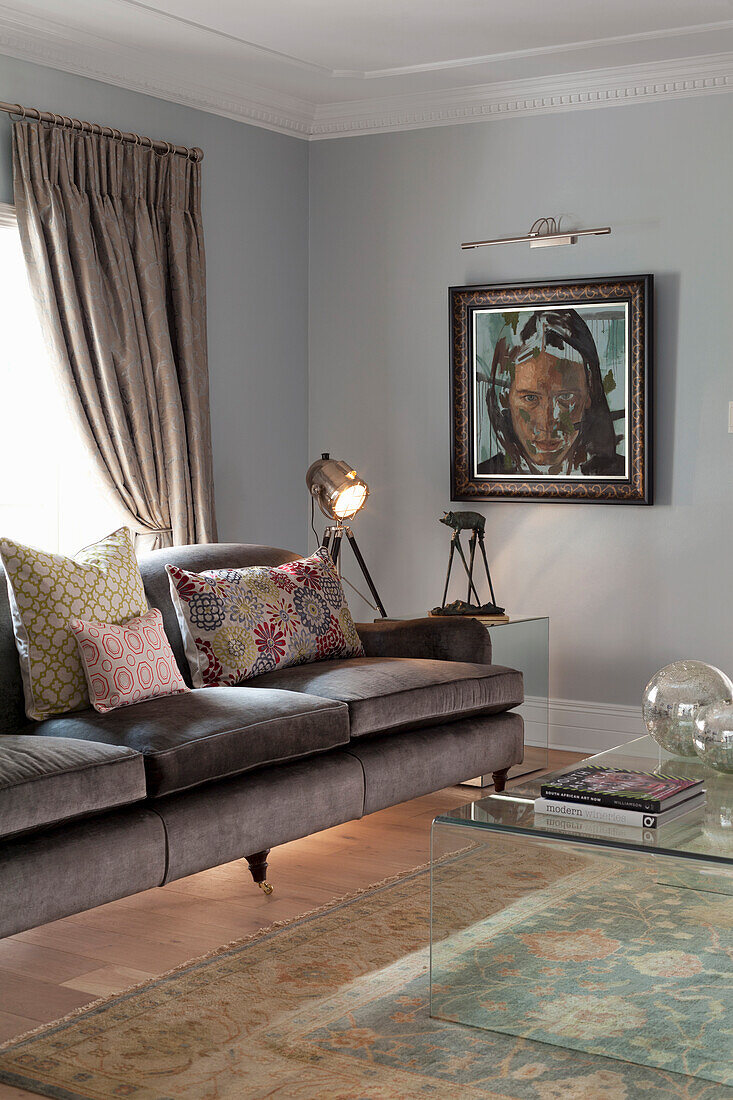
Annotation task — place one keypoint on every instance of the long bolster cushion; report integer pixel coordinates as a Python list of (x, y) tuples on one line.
[(435, 637), (399, 693), (47, 780), (211, 733)]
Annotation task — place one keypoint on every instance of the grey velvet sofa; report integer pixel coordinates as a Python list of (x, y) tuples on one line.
[(96, 807)]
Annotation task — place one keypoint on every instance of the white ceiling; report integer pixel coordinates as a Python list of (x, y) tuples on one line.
[(322, 68)]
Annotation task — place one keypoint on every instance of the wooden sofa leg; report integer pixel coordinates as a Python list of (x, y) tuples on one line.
[(500, 779), (258, 867)]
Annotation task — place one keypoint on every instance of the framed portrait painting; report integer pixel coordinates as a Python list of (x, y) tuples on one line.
[(551, 391)]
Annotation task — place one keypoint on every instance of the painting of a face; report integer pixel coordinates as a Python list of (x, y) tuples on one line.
[(550, 392), (547, 400)]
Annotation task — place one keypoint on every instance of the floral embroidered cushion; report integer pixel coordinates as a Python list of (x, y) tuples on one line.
[(239, 623), (46, 592), (129, 663)]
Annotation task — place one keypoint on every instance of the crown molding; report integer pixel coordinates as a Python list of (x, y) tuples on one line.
[(620, 86), (32, 39), (46, 43)]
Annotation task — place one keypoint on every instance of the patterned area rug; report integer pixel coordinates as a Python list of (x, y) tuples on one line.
[(335, 1004)]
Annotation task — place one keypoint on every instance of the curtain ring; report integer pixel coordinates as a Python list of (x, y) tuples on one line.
[(115, 131), (165, 152), (19, 111)]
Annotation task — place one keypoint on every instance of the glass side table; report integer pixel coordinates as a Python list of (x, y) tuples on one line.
[(524, 643)]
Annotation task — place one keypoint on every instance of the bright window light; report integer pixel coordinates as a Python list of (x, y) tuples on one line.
[(51, 495)]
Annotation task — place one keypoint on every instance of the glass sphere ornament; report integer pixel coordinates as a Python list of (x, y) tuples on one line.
[(673, 697), (713, 738)]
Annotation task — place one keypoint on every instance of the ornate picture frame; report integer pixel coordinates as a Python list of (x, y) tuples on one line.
[(551, 390)]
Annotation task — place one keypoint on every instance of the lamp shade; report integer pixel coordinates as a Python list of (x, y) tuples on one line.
[(337, 487)]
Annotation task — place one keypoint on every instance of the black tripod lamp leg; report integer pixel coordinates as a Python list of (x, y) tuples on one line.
[(488, 572), (336, 547), (365, 571)]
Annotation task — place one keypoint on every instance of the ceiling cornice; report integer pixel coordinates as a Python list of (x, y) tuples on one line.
[(32, 39)]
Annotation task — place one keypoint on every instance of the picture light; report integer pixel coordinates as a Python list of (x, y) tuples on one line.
[(544, 233)]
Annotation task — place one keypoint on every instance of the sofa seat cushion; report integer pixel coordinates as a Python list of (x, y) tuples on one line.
[(47, 780), (394, 693), (211, 733)]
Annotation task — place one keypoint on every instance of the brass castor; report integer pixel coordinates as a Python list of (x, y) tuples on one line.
[(258, 867)]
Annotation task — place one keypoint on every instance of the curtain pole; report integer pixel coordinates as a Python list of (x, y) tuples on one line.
[(64, 121)]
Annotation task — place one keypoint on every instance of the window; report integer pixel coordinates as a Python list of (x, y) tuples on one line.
[(51, 494)]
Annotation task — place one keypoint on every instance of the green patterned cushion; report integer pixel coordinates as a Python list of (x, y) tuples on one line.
[(47, 591)]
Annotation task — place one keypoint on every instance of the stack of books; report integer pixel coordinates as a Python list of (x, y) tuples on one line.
[(643, 800)]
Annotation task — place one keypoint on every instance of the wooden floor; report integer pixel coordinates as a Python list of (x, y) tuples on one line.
[(49, 971)]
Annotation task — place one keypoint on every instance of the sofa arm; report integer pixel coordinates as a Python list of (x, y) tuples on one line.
[(438, 638)]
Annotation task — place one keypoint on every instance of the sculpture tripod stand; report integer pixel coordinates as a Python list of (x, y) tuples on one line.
[(332, 539), (455, 544)]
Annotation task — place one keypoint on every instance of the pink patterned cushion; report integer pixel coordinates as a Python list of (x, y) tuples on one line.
[(238, 623), (126, 664)]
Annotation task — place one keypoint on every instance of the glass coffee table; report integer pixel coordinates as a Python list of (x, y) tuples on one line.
[(517, 899)]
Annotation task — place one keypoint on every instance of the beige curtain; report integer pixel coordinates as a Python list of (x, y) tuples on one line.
[(113, 240)]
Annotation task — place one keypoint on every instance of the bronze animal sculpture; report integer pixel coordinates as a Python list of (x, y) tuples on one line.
[(464, 521), (476, 524)]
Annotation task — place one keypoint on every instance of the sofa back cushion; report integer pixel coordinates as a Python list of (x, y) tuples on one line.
[(102, 582), (196, 559), (129, 663), (240, 623)]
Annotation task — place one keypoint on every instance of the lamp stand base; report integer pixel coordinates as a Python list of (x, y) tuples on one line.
[(332, 539)]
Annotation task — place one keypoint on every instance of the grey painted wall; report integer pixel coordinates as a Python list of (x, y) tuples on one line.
[(255, 198), (627, 588)]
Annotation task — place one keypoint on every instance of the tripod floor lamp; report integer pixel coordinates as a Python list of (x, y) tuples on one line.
[(340, 493)]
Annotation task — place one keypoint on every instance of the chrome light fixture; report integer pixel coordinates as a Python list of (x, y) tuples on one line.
[(544, 233), (339, 490), (340, 493)]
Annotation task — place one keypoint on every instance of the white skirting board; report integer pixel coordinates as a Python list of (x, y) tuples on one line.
[(577, 726)]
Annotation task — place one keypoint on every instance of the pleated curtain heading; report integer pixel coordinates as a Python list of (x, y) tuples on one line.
[(113, 239)]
